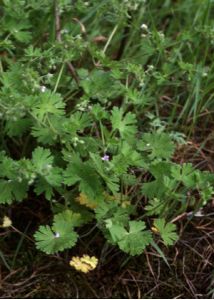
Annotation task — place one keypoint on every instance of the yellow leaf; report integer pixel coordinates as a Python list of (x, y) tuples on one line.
[(84, 200), (84, 264), (6, 222), (120, 199), (125, 204), (154, 229)]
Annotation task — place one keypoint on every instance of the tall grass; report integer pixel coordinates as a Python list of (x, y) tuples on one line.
[(179, 45)]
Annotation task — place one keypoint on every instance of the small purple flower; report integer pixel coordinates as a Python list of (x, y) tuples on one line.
[(105, 157)]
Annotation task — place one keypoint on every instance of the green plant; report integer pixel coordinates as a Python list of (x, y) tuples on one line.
[(78, 133)]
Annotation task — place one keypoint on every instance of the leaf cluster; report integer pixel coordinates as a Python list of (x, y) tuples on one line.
[(76, 126)]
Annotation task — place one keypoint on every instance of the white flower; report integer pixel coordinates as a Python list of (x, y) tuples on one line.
[(161, 35), (57, 235), (43, 88), (151, 67), (144, 27)]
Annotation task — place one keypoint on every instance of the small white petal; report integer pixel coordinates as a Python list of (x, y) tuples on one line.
[(144, 27), (43, 88)]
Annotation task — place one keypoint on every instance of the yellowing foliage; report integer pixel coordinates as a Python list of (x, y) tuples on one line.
[(84, 264), (84, 200), (154, 229), (6, 222)]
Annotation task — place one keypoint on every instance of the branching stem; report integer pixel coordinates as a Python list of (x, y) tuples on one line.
[(59, 39)]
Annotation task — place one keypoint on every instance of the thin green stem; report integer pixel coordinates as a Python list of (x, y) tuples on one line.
[(58, 78)]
